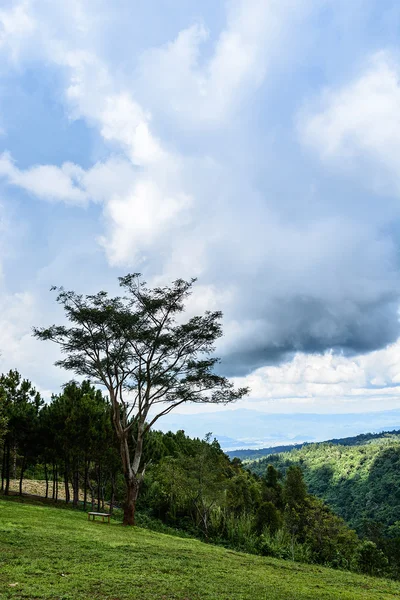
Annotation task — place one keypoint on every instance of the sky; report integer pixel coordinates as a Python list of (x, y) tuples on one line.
[(252, 144)]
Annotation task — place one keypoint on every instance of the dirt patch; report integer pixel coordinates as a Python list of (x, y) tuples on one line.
[(36, 487)]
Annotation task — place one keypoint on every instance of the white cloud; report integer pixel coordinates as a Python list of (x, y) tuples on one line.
[(124, 121), (210, 90), (46, 181), (18, 349), (93, 94), (16, 23), (329, 382), (357, 126), (141, 219)]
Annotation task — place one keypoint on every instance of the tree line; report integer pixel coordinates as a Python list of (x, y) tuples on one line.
[(190, 484), (359, 479), (69, 441)]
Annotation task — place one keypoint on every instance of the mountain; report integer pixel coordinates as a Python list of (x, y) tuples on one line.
[(357, 477), (252, 455)]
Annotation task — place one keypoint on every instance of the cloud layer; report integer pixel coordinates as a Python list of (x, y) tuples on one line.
[(233, 148)]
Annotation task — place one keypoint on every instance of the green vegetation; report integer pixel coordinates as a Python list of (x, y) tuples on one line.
[(360, 482), (250, 455), (3, 418), (68, 441), (48, 553), (190, 484), (149, 362), (247, 455), (358, 479)]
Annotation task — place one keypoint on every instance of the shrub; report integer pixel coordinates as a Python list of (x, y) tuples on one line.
[(369, 559)]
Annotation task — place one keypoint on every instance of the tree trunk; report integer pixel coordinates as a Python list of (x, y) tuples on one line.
[(132, 476), (131, 471), (75, 478), (3, 467), (91, 488), (85, 484), (46, 476), (56, 482), (98, 487), (15, 462), (112, 500), (21, 478), (132, 491), (7, 470), (102, 496), (66, 485)]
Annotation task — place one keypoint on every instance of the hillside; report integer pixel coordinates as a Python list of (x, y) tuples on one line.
[(50, 553), (358, 477), (249, 454)]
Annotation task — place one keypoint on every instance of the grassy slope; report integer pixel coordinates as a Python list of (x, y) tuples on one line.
[(47, 552), (358, 482)]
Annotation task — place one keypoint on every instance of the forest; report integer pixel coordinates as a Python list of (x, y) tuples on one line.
[(191, 487), (358, 478)]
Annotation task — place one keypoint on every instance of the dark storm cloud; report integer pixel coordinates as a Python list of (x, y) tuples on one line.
[(328, 285), (315, 328)]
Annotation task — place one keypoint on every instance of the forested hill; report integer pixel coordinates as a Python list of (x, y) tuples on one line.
[(251, 455), (358, 477), (248, 454)]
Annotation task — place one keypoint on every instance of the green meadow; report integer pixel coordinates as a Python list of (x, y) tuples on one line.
[(51, 553)]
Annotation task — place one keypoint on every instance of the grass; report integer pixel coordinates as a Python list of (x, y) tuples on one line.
[(49, 553)]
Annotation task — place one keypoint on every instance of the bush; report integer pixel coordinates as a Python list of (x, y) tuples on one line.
[(370, 560), (264, 546)]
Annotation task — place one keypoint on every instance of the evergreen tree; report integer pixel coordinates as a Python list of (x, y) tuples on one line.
[(21, 405)]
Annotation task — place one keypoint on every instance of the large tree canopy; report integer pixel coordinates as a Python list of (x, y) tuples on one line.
[(149, 360)]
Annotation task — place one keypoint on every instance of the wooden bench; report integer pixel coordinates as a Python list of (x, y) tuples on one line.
[(97, 514)]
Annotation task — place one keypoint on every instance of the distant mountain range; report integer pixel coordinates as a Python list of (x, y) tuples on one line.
[(363, 438), (255, 430)]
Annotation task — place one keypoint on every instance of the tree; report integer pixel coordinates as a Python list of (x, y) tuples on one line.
[(148, 360), (271, 488), (369, 559), (21, 404), (269, 516), (79, 429), (3, 417), (294, 489), (295, 497)]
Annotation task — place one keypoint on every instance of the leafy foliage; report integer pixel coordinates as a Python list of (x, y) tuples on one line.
[(20, 404), (190, 484), (147, 359), (359, 480)]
